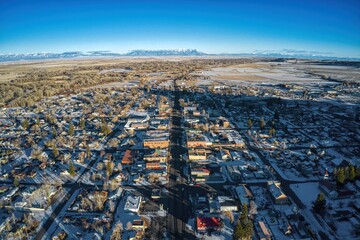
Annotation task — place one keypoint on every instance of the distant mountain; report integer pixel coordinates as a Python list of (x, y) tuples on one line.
[(77, 54), (44, 56), (175, 52), (286, 53)]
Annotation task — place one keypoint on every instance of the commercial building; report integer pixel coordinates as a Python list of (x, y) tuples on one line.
[(157, 139), (132, 203), (208, 223)]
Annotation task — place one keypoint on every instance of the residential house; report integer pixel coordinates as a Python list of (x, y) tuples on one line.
[(127, 158), (276, 193), (264, 233), (328, 188), (244, 194)]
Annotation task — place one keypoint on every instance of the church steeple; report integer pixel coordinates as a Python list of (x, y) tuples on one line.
[(326, 175)]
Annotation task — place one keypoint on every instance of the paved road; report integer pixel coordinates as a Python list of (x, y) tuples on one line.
[(178, 204), (73, 186)]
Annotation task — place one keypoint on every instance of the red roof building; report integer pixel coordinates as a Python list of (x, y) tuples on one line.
[(204, 223), (127, 159), (154, 166)]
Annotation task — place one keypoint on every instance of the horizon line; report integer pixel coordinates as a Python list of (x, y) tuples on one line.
[(284, 53)]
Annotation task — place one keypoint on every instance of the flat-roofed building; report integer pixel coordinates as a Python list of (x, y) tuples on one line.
[(197, 154), (227, 204), (195, 139), (159, 124), (139, 126), (138, 224), (137, 118), (158, 155), (157, 139), (156, 143), (192, 143), (132, 203), (234, 172), (244, 194), (156, 194), (200, 172), (155, 165)]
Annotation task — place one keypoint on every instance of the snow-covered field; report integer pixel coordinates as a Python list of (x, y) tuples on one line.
[(263, 73)]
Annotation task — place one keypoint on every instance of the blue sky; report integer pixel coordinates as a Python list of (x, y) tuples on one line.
[(330, 27)]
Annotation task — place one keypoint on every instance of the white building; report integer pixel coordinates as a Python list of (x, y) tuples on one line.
[(132, 203), (227, 204)]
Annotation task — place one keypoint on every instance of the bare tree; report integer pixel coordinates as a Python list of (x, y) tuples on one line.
[(253, 208), (128, 226), (119, 167), (230, 215), (111, 206), (116, 234), (100, 166)]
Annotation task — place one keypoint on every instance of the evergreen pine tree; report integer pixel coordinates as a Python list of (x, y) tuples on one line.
[(351, 173), (341, 176), (16, 182), (335, 173), (357, 173), (244, 227), (71, 168), (82, 123), (88, 152), (238, 231), (272, 131), (71, 129), (25, 124), (250, 123), (262, 123), (276, 115), (286, 129), (320, 203), (346, 172), (248, 230), (244, 214), (53, 133), (55, 152), (105, 129)]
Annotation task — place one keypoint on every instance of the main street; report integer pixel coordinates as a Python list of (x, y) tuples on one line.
[(178, 204)]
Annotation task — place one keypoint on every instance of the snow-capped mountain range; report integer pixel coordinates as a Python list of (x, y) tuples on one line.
[(175, 52), (286, 53), (43, 56), (78, 54)]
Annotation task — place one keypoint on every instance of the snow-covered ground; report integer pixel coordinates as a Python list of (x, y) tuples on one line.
[(259, 73), (57, 223), (307, 192)]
